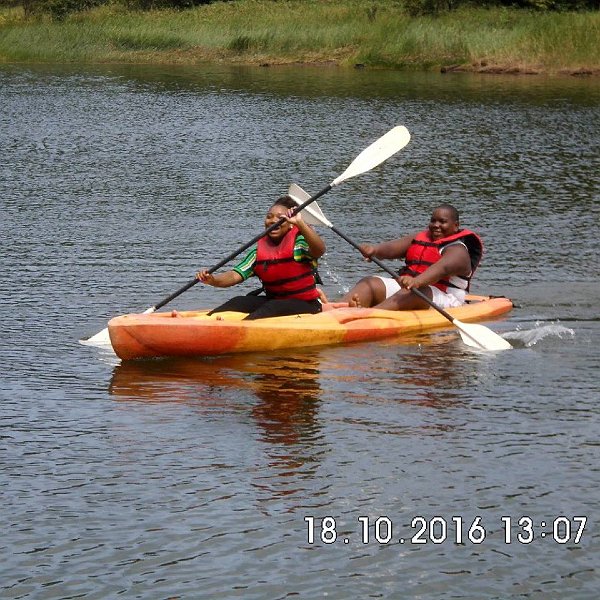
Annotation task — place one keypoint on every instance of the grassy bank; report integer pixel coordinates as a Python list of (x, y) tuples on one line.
[(345, 32)]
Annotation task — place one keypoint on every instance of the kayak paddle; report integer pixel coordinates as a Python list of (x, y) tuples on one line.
[(373, 155), (472, 334)]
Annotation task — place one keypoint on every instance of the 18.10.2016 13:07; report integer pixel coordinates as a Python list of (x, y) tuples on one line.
[(438, 529)]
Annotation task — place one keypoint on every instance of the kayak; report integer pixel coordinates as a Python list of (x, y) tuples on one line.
[(194, 333)]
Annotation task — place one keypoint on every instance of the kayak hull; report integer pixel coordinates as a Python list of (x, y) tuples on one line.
[(193, 333)]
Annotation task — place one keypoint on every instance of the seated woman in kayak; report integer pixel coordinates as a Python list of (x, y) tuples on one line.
[(439, 261), (285, 262)]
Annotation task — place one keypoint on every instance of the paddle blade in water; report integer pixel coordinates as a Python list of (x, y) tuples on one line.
[(100, 339), (478, 336), (387, 145)]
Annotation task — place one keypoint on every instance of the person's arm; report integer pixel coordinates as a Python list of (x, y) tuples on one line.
[(242, 271), (222, 280), (316, 246), (455, 261), (392, 249)]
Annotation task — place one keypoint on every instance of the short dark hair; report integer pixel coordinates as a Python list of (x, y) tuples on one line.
[(452, 209), (286, 201)]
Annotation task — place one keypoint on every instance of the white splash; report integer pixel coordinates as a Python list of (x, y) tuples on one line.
[(530, 337)]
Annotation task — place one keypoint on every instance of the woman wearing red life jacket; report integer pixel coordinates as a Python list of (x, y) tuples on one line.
[(440, 261), (285, 262)]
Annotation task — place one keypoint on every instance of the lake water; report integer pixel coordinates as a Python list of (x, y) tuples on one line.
[(212, 478)]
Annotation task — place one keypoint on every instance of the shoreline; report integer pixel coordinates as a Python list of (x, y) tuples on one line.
[(477, 68), (337, 33), (482, 68)]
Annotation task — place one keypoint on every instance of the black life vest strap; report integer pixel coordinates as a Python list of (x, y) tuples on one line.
[(274, 261), (426, 244), (290, 293), (288, 279), (428, 263)]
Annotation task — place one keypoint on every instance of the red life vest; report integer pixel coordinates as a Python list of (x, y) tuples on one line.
[(424, 251), (281, 275)]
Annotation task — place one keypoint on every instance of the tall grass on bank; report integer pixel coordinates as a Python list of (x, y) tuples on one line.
[(378, 33)]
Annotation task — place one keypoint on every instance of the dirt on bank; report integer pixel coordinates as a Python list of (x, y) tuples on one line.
[(484, 67)]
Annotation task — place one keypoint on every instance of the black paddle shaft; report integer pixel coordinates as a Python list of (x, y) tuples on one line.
[(255, 239)]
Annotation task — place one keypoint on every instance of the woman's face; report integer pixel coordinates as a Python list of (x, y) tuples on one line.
[(442, 224), (275, 213)]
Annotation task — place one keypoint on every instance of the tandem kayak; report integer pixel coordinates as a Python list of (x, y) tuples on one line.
[(194, 333)]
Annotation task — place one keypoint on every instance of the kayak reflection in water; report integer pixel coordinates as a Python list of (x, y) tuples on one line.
[(439, 261), (288, 391), (284, 260)]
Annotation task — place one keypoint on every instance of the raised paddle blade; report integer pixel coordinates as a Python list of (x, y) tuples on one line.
[(387, 145), (312, 214), (478, 336)]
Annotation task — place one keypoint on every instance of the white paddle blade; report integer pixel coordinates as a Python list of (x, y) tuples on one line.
[(387, 145), (298, 193), (478, 336), (100, 339), (312, 214)]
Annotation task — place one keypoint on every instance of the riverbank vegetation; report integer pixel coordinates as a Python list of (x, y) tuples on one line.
[(400, 34)]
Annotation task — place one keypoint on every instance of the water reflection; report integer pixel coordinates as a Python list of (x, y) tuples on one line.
[(310, 82), (171, 380), (424, 369), (284, 392), (286, 386), (289, 392), (437, 375)]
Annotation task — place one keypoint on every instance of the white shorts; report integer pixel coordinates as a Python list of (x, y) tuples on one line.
[(448, 299)]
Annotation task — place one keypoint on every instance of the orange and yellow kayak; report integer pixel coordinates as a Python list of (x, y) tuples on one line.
[(194, 333)]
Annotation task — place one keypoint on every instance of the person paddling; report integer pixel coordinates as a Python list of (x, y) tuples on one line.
[(440, 261), (285, 262)]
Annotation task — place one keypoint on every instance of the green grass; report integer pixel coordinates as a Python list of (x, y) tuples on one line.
[(377, 33)]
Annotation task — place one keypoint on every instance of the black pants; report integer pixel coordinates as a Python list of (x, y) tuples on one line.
[(261, 307)]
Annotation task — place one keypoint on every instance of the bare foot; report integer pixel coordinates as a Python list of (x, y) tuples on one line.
[(354, 302)]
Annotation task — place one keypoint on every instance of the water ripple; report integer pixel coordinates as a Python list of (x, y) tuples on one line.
[(173, 478)]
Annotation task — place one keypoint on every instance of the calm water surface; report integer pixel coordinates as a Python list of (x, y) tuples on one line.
[(204, 478)]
